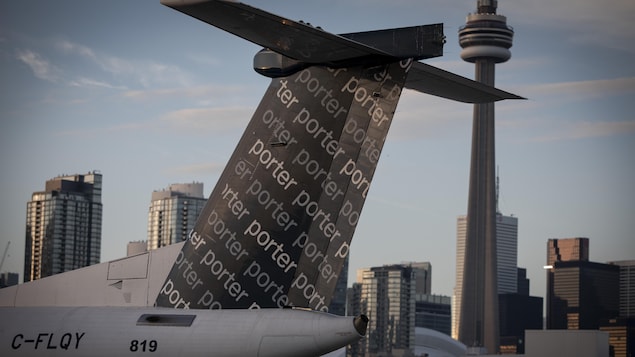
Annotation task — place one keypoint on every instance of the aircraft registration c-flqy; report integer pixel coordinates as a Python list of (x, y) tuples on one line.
[(276, 229)]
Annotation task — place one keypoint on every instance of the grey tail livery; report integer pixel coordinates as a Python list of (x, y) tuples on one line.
[(278, 225)]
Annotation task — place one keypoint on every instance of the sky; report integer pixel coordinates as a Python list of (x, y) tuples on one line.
[(150, 97)]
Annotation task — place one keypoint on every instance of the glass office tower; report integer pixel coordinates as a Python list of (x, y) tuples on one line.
[(506, 256), (63, 226), (387, 297), (173, 213), (580, 293)]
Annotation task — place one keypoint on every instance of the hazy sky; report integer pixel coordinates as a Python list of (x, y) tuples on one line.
[(151, 97)]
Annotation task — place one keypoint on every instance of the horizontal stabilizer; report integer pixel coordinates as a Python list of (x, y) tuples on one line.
[(435, 81), (416, 42), (296, 40)]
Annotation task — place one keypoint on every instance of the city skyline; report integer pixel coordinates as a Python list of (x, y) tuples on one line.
[(152, 100)]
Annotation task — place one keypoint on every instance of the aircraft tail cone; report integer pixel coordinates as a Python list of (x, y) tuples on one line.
[(361, 323)]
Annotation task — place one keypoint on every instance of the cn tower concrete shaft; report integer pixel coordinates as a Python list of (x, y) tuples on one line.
[(485, 40), (479, 314)]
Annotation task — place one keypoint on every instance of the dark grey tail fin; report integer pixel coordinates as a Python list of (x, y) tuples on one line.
[(278, 225)]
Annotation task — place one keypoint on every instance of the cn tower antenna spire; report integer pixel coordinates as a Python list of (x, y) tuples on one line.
[(485, 40), (486, 6)]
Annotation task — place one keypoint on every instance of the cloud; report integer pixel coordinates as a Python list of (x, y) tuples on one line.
[(589, 129), (204, 60), (142, 73), (538, 119), (422, 116), (70, 47), (215, 93), (46, 70), (396, 204), (41, 68), (586, 89), (570, 110), (551, 95), (199, 169), (153, 74), (205, 120), (106, 63), (603, 23), (101, 131), (88, 82)]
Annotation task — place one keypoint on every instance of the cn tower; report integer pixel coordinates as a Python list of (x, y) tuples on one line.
[(485, 40)]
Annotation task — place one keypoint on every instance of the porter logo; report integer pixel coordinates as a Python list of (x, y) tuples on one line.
[(277, 227)]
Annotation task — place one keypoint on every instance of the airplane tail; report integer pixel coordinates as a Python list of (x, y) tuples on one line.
[(278, 225)]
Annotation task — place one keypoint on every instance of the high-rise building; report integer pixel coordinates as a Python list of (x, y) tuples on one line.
[(485, 40), (506, 255), (9, 279), (567, 249), (137, 247), (523, 282), (461, 232), (562, 250), (621, 332), (387, 297), (423, 275), (518, 312), (627, 287), (338, 301), (173, 213), (404, 316), (354, 308), (580, 293), (63, 226), (433, 312)]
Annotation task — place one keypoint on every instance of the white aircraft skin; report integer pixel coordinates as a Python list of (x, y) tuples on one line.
[(83, 313), (117, 331)]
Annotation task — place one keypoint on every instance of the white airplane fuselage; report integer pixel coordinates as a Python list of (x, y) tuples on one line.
[(118, 331)]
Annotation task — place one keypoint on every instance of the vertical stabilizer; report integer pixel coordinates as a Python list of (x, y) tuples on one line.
[(277, 227)]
